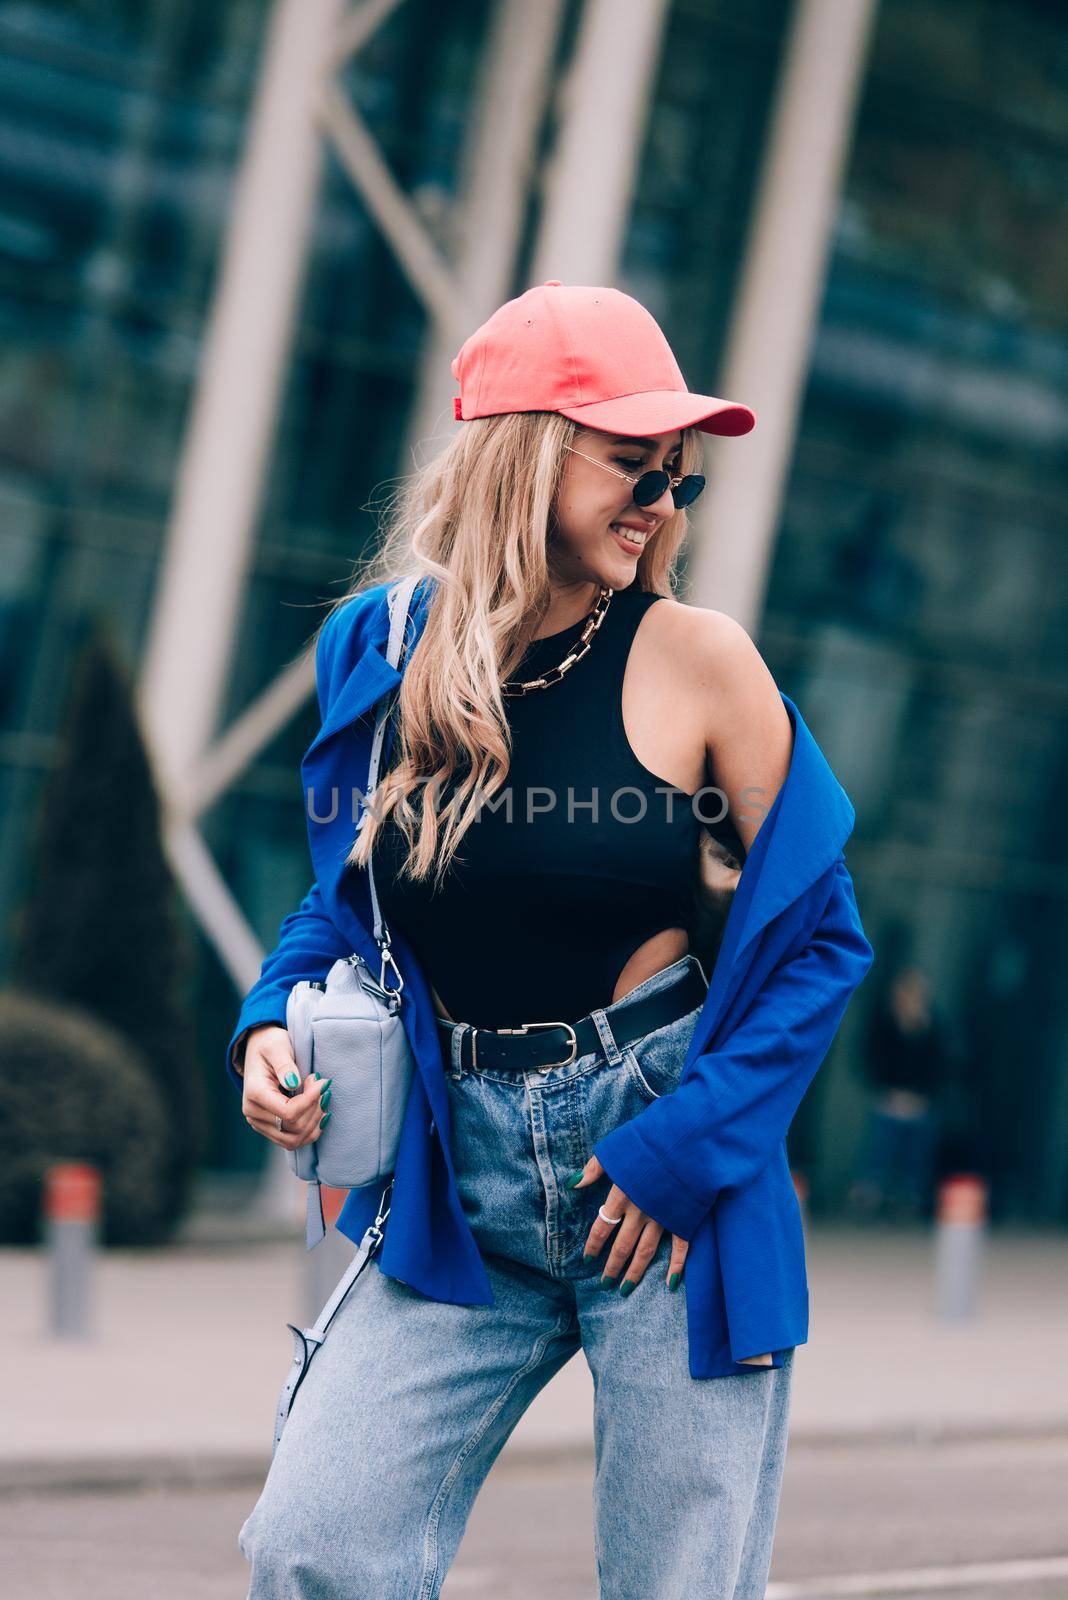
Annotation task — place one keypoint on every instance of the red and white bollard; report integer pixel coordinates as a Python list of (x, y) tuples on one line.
[(801, 1191), (72, 1233), (960, 1227)]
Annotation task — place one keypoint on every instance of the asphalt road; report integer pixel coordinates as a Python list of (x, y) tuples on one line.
[(972, 1521)]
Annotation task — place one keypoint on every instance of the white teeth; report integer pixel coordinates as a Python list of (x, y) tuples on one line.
[(630, 533)]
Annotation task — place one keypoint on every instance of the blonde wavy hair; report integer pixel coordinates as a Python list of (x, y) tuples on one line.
[(479, 519)]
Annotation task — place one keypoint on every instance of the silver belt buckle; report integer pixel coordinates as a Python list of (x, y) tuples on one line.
[(526, 1027)]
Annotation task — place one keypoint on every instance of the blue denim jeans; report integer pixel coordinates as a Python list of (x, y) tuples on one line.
[(409, 1400)]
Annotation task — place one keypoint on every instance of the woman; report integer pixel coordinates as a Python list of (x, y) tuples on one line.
[(588, 1112), (906, 1070)]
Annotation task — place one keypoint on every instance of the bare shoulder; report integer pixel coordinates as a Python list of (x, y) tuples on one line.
[(746, 729), (710, 650), (698, 632)]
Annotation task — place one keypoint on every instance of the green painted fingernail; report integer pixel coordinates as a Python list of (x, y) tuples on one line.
[(326, 1119), (324, 1098), (292, 1080), (626, 1286), (575, 1178), (673, 1281), (607, 1282)]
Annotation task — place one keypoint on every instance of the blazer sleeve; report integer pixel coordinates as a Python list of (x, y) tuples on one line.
[(732, 1110), (309, 941)]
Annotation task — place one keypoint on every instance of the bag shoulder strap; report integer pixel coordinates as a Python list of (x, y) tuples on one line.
[(400, 601), (308, 1340)]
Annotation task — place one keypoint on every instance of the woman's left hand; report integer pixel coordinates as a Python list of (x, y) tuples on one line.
[(636, 1237)]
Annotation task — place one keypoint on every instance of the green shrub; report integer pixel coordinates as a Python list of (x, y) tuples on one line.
[(76, 1090)]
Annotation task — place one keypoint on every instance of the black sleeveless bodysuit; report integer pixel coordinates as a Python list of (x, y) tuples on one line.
[(550, 899)]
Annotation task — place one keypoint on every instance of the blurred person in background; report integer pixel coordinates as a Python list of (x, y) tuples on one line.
[(907, 1067), (545, 1161)]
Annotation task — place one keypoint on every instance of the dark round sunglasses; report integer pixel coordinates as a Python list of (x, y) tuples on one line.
[(649, 486)]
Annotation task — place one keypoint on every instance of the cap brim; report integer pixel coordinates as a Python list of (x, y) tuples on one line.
[(661, 411)]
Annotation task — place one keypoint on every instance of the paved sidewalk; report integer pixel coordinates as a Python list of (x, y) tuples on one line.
[(190, 1349)]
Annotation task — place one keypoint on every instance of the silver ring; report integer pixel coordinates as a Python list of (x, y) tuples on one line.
[(278, 1124), (600, 1213)]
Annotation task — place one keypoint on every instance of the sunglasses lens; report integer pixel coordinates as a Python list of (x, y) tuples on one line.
[(649, 487), (687, 490)]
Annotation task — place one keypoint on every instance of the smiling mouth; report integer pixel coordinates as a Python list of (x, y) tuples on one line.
[(630, 535)]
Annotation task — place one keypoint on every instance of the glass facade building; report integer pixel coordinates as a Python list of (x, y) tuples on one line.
[(918, 604), (915, 609)]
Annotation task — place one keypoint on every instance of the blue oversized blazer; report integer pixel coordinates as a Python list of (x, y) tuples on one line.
[(707, 1161)]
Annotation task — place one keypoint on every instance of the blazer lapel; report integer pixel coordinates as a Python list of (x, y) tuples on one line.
[(369, 680), (809, 822), (371, 676), (806, 828)]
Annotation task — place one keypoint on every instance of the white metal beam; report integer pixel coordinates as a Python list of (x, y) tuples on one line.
[(498, 172), (221, 471), (605, 108), (777, 306)]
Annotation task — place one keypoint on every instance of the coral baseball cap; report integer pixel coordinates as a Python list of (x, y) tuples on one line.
[(592, 354)]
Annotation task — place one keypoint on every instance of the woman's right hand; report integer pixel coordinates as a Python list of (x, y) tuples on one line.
[(268, 1060)]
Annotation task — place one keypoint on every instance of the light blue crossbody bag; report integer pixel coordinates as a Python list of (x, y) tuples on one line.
[(349, 1028)]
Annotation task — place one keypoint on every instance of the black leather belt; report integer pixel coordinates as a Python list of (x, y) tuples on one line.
[(542, 1045)]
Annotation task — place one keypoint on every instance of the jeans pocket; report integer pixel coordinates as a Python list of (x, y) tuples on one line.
[(654, 1062)]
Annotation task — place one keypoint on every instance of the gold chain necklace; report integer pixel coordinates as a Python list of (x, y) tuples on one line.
[(515, 687)]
